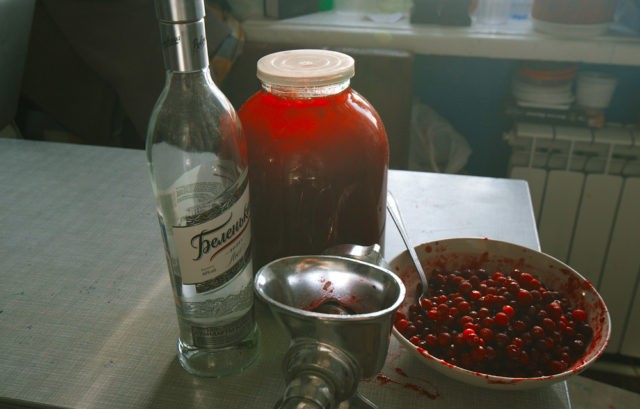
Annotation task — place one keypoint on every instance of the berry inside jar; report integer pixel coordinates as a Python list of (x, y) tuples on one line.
[(497, 323)]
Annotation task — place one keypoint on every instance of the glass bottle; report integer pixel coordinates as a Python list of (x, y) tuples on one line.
[(318, 157), (196, 154)]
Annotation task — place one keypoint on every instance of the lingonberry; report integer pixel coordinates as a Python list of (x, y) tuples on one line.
[(499, 323), (524, 297), (536, 331), (579, 315), (465, 286), (426, 304), (507, 309), (502, 319), (433, 314)]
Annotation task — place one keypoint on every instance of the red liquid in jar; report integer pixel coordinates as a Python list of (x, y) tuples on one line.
[(318, 173)]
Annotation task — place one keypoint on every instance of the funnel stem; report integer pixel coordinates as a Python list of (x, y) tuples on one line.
[(308, 391), (318, 374)]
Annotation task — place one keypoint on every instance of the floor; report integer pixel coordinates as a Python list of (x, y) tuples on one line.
[(608, 384)]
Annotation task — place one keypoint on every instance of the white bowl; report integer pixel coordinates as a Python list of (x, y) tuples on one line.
[(494, 255)]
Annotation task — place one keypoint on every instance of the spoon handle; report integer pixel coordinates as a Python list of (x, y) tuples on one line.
[(394, 211)]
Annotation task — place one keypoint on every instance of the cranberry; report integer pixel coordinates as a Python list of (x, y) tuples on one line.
[(525, 278), (520, 326), (586, 330), (513, 351), (507, 309), (465, 286), (555, 309), (431, 340), (535, 294), (488, 322), (426, 304), (483, 312), (513, 287), (545, 344), (557, 366), (502, 319), (506, 324), (502, 339), (486, 334), (443, 309), (548, 324), (579, 315), (478, 353), (402, 324), (577, 347), (444, 338), (465, 320), (524, 297), (464, 306), (536, 331)]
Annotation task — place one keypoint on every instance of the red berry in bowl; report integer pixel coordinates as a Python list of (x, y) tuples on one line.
[(579, 315), (502, 319), (506, 324)]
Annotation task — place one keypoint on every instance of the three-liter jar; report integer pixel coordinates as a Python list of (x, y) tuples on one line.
[(318, 157)]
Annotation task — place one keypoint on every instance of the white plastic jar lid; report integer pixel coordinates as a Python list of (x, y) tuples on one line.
[(296, 68)]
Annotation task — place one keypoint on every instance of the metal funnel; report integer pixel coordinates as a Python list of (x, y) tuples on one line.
[(339, 312)]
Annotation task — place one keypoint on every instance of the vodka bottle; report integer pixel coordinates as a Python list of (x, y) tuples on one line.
[(196, 153)]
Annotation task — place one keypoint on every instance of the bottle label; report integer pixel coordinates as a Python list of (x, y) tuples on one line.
[(184, 46), (209, 249), (223, 335)]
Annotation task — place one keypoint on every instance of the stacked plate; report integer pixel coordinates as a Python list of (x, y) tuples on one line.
[(544, 85)]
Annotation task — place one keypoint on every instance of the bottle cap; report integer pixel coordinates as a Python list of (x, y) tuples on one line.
[(179, 11), (296, 68)]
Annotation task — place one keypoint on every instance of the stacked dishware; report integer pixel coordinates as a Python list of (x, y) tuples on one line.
[(544, 85)]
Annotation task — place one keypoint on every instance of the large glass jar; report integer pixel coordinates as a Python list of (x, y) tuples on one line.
[(318, 157)]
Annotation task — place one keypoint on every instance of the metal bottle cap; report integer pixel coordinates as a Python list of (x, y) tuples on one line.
[(182, 32), (179, 11), (297, 68)]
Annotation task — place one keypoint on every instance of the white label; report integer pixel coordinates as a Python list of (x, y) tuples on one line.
[(224, 335), (208, 249)]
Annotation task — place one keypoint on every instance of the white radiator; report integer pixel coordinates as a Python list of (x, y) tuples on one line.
[(585, 188)]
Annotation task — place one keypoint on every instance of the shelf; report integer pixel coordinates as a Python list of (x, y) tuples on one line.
[(515, 40)]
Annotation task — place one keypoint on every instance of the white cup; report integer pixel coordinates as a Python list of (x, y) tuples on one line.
[(595, 89)]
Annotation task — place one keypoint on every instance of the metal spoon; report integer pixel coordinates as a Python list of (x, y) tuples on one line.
[(394, 211)]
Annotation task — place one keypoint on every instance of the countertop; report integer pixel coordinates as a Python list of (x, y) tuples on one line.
[(86, 313)]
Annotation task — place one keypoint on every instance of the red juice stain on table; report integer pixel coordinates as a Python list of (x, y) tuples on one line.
[(318, 172), (385, 380)]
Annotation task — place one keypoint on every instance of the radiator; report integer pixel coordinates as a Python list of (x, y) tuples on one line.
[(585, 189)]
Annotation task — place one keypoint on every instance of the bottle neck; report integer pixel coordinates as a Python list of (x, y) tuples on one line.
[(317, 91), (184, 46)]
